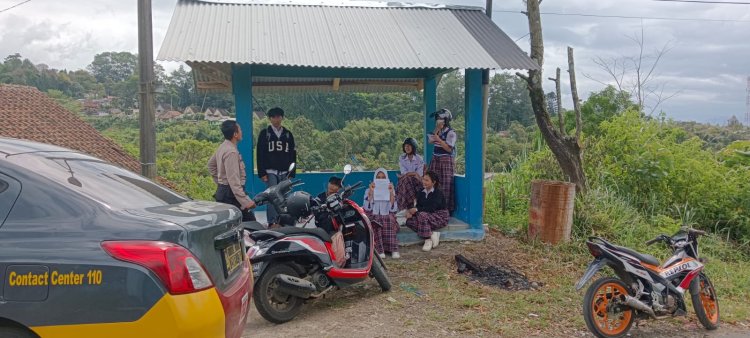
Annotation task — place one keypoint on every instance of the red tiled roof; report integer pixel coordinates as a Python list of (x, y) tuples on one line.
[(169, 115), (27, 113)]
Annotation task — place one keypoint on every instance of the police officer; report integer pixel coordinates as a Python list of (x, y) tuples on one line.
[(275, 152), (228, 171)]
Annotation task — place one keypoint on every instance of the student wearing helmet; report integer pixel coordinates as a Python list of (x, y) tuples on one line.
[(410, 178), (443, 139)]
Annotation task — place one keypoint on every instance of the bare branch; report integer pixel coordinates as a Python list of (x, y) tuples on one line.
[(590, 77), (574, 91), (660, 98), (613, 68), (658, 55)]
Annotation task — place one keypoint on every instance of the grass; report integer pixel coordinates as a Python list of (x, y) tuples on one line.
[(603, 213), (466, 307)]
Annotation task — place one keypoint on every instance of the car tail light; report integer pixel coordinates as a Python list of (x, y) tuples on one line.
[(175, 266)]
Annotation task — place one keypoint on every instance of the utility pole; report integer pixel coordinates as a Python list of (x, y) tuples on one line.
[(146, 103)]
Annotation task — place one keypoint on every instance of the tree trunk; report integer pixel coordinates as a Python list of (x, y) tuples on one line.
[(574, 91), (558, 96), (567, 151)]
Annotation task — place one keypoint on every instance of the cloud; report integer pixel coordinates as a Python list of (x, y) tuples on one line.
[(707, 63), (67, 34)]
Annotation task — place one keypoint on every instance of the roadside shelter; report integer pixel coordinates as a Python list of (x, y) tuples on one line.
[(250, 47)]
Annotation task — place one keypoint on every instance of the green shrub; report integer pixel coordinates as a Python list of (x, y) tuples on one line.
[(656, 165)]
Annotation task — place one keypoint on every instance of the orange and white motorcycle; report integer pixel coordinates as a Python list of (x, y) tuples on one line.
[(643, 289)]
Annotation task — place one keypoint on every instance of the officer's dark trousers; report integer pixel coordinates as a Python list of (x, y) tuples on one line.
[(224, 194)]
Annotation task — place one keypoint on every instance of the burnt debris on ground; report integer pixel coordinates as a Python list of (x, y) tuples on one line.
[(501, 276)]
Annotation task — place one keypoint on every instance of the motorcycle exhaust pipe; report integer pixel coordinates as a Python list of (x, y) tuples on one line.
[(638, 305), (294, 286)]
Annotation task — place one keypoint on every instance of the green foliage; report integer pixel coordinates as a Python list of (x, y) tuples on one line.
[(659, 166), (184, 163), (507, 198), (113, 67), (65, 101), (503, 150), (716, 137), (600, 106), (74, 84), (509, 102), (645, 176), (736, 155)]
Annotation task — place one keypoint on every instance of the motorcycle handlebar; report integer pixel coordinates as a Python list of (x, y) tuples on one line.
[(347, 191), (648, 243), (660, 238), (698, 232)]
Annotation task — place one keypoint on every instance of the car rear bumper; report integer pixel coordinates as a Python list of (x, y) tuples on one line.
[(199, 314), (236, 301)]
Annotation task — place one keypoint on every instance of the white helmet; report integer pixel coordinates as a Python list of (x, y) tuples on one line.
[(443, 114)]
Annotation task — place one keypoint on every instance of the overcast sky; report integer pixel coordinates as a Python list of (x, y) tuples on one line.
[(707, 66)]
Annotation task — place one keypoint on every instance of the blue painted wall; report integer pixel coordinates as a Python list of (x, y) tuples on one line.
[(461, 192), (315, 183)]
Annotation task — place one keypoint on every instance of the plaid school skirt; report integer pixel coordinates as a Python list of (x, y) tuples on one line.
[(385, 234), (406, 191), (423, 223), (443, 167)]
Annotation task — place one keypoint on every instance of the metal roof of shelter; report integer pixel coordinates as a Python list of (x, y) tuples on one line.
[(352, 35)]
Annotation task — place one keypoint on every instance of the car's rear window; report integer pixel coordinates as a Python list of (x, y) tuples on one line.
[(109, 184)]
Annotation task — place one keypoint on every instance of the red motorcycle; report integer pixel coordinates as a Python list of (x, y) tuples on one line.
[(294, 264)]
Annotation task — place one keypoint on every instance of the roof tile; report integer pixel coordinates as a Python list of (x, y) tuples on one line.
[(27, 113)]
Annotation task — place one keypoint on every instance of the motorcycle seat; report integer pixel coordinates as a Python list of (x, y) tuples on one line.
[(286, 231), (253, 226), (646, 258)]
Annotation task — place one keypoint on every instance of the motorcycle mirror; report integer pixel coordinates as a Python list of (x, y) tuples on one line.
[(347, 170), (292, 166)]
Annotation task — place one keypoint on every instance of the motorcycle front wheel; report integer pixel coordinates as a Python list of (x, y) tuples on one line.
[(378, 271), (604, 316), (272, 305), (705, 302)]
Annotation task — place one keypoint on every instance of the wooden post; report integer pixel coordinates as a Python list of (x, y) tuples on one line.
[(558, 96), (574, 91)]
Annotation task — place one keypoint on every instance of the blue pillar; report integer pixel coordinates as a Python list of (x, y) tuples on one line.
[(242, 88), (430, 106), (474, 147)]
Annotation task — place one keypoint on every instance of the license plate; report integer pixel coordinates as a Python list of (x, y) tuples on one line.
[(232, 258)]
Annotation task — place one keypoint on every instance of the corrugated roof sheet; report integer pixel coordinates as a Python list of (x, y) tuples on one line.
[(338, 37)]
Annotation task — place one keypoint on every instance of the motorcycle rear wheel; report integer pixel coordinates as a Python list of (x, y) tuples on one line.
[(273, 306), (603, 318), (378, 271), (705, 302)]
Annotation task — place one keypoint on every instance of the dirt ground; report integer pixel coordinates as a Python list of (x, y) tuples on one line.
[(429, 299)]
